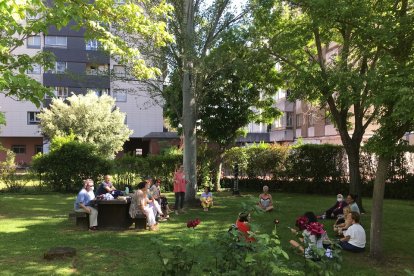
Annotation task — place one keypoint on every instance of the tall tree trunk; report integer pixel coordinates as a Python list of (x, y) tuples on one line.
[(218, 168), (355, 184), (377, 206), (189, 102)]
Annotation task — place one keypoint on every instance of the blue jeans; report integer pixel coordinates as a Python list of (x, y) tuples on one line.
[(349, 247)]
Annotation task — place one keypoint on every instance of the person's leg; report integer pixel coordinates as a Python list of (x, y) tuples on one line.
[(150, 216), (269, 208), (182, 197), (158, 207), (177, 199), (93, 217), (296, 245), (349, 247)]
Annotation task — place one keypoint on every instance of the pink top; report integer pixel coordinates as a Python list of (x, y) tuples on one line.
[(179, 182)]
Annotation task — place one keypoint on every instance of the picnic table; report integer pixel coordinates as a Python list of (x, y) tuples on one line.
[(113, 214)]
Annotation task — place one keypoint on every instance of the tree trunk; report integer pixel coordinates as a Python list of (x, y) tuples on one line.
[(189, 103), (377, 206), (219, 165), (355, 184)]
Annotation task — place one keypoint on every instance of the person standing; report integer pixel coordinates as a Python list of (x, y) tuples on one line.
[(82, 203), (179, 189)]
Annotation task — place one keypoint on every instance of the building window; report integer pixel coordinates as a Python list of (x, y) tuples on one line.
[(299, 120), (92, 45), (56, 41), (32, 118), (62, 92), (97, 69), (33, 42), (311, 120), (99, 91), (35, 69), (119, 71), (119, 95), (278, 123), (38, 149), (60, 68), (289, 119), (19, 149)]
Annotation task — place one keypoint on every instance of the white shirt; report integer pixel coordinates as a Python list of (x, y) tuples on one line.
[(357, 235)]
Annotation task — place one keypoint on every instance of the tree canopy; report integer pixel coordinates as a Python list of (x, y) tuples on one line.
[(101, 19), (90, 118)]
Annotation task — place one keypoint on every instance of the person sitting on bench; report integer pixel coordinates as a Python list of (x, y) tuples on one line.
[(82, 203), (140, 205), (108, 187)]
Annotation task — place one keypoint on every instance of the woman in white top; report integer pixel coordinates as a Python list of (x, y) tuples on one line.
[(354, 239)]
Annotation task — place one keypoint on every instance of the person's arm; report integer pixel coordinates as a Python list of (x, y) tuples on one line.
[(271, 200), (346, 238), (87, 210), (260, 201)]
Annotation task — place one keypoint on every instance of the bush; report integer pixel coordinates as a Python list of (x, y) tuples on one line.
[(64, 168), (8, 173), (129, 170), (317, 162)]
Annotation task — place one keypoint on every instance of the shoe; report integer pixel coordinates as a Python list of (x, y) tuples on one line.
[(162, 219), (93, 228)]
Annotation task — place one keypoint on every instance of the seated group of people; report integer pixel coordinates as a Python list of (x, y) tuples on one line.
[(147, 197), (347, 227), (85, 196), (147, 200)]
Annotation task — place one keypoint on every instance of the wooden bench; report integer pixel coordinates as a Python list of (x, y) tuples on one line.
[(81, 219), (140, 222)]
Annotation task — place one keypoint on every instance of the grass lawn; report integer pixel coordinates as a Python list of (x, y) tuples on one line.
[(31, 224)]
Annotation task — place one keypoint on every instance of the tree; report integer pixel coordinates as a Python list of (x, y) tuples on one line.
[(328, 57), (22, 19), (197, 27), (234, 91), (90, 118), (395, 99)]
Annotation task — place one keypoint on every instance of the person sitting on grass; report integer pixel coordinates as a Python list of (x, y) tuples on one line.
[(350, 199), (265, 200), (140, 205), (244, 228), (313, 236), (343, 222), (354, 239), (82, 203), (337, 209), (206, 199)]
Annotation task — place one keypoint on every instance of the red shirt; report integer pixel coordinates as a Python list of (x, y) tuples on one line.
[(179, 182), (244, 228)]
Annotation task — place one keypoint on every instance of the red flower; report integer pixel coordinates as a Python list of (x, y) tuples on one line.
[(315, 228), (302, 222), (193, 223)]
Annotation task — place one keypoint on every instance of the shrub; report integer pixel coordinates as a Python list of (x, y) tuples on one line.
[(317, 162), (129, 169), (64, 168), (8, 173)]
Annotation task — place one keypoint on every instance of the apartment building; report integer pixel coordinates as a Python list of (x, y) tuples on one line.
[(79, 67)]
